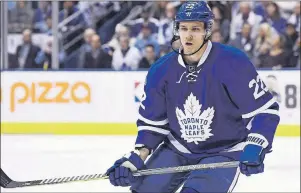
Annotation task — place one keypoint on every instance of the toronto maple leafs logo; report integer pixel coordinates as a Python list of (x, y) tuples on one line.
[(195, 125)]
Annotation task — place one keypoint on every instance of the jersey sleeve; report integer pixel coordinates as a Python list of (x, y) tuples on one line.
[(251, 96), (152, 120)]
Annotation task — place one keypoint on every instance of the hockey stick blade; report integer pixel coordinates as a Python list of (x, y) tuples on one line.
[(6, 182)]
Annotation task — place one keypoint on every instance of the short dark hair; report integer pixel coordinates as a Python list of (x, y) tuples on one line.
[(290, 25), (150, 45)]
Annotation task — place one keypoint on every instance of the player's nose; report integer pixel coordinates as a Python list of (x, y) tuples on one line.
[(189, 37)]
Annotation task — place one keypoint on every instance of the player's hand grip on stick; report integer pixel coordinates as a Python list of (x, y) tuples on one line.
[(121, 173), (253, 155), (6, 182)]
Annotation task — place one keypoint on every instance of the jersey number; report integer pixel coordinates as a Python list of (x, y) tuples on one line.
[(258, 92), (142, 99)]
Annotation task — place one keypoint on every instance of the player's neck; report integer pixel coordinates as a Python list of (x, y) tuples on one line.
[(195, 58)]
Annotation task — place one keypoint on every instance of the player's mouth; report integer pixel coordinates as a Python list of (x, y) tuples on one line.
[(188, 44)]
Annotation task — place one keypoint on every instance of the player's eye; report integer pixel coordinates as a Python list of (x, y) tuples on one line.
[(196, 29), (183, 28)]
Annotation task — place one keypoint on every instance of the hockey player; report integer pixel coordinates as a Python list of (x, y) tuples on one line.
[(204, 104)]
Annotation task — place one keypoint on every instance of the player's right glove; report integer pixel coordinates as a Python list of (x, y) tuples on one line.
[(120, 174), (251, 160)]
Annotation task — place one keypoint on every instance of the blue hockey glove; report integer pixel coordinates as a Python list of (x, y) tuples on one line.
[(120, 174), (251, 160)]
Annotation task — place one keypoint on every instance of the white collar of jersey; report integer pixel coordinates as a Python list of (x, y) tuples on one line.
[(203, 58)]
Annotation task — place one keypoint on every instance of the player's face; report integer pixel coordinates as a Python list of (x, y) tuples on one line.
[(191, 35)]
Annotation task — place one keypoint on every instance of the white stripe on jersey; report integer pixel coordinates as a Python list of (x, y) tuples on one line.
[(145, 120), (249, 126), (177, 144), (271, 111), (259, 110), (155, 129), (268, 111), (234, 180)]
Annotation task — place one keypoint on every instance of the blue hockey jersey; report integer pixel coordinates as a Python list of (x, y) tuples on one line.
[(216, 112)]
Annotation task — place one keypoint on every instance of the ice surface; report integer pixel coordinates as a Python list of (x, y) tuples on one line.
[(31, 157)]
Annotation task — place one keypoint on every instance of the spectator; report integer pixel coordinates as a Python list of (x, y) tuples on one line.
[(96, 57), (296, 53), (244, 41), (20, 17), (94, 11), (69, 9), (246, 15), (260, 8), (227, 11), (73, 29), (217, 36), (40, 16), (126, 57), (223, 6), (290, 36), (149, 58), (159, 9), (137, 25), (43, 58), (121, 30), (222, 23), (274, 17), (286, 7), (263, 43), (106, 31), (234, 9), (48, 29), (86, 47), (295, 17), (146, 37), (277, 57), (166, 25), (27, 52)]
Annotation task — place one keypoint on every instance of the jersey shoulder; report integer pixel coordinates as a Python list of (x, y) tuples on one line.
[(230, 53), (231, 60), (159, 69)]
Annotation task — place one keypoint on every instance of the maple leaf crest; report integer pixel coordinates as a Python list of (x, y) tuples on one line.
[(195, 125)]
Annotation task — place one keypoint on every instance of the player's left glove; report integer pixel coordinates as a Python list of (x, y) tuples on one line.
[(120, 174), (251, 159)]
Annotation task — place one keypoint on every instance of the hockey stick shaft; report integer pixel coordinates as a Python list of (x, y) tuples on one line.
[(186, 168), (6, 182)]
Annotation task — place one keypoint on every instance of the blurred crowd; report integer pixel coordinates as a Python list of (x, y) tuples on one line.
[(132, 35)]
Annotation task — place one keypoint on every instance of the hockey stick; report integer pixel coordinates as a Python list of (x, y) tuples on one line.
[(6, 182)]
